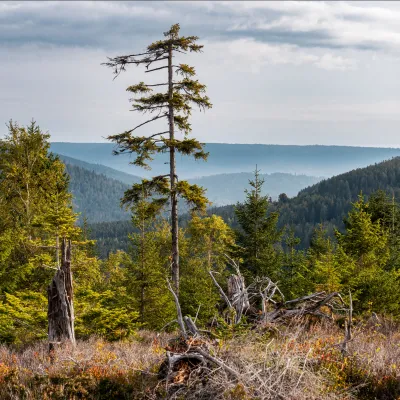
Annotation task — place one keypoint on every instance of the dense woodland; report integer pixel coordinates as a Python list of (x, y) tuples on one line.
[(363, 258), (254, 276)]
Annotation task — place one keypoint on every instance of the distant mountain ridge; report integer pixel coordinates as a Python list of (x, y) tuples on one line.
[(102, 170), (329, 201), (225, 189), (314, 160), (97, 189), (326, 202)]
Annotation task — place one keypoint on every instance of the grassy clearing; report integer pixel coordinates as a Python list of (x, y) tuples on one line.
[(301, 361)]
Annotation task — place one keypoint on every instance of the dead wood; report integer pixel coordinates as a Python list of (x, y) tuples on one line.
[(192, 328), (192, 351), (178, 310), (60, 302), (307, 305), (238, 295), (347, 327)]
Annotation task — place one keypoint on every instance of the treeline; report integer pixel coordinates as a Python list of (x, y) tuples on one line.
[(330, 200)]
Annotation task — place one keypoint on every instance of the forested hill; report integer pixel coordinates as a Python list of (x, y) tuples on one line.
[(96, 196), (102, 170), (325, 202), (233, 158), (223, 189), (330, 200), (98, 189)]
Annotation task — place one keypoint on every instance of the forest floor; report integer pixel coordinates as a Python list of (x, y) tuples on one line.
[(296, 362)]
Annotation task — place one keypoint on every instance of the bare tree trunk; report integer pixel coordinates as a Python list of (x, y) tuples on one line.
[(60, 295), (142, 275), (174, 200)]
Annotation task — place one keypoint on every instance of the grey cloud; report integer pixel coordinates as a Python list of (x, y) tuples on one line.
[(302, 39), (119, 24), (273, 72)]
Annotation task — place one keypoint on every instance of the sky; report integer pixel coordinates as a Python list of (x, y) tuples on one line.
[(276, 72)]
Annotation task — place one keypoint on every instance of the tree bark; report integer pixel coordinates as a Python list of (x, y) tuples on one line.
[(238, 295), (60, 296), (174, 200)]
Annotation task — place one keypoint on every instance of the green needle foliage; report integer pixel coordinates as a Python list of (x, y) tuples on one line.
[(259, 235), (173, 103), (294, 273), (148, 269)]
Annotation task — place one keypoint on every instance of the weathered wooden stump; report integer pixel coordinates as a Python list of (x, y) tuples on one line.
[(238, 295), (60, 296)]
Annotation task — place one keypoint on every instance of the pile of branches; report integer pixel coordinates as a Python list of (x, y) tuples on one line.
[(274, 306), (192, 352)]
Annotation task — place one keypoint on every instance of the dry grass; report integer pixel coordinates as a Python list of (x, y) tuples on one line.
[(292, 362)]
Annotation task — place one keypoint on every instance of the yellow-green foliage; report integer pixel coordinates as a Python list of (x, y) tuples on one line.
[(23, 317), (35, 213), (147, 272), (208, 240), (106, 314), (363, 254)]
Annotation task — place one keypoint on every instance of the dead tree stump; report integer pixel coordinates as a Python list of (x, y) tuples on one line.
[(60, 296), (238, 295)]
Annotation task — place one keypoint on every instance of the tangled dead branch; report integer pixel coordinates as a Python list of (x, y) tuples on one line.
[(192, 352), (274, 307)]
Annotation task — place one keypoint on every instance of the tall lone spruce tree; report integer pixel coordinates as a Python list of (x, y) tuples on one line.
[(175, 105)]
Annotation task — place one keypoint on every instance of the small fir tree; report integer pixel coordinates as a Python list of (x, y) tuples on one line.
[(259, 235)]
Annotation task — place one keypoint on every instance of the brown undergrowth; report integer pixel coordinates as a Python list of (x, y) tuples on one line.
[(295, 362)]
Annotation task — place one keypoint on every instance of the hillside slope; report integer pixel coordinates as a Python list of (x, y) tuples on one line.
[(95, 196), (233, 158), (326, 202), (102, 170), (98, 189), (329, 201)]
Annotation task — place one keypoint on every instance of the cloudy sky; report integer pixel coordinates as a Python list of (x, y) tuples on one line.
[(276, 72)]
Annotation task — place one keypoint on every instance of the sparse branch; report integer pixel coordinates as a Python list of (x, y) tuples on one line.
[(305, 298), (147, 122), (224, 296), (144, 61), (178, 310), (148, 108), (156, 69), (218, 362)]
